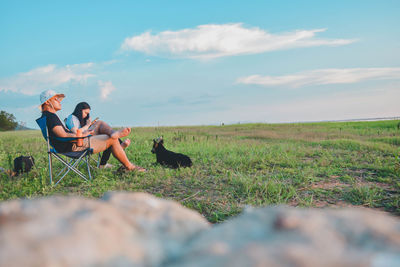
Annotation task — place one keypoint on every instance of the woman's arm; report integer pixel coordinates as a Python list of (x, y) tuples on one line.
[(86, 127), (73, 123), (73, 129)]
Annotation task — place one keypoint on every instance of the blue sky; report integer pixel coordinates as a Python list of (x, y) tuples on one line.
[(202, 62)]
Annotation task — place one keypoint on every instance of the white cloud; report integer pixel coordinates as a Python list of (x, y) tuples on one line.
[(106, 88), (213, 40), (47, 77), (324, 76)]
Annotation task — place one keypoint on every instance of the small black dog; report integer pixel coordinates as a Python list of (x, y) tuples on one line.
[(22, 164), (168, 158)]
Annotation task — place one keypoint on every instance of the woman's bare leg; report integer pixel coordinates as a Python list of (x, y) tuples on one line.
[(103, 128), (121, 133), (126, 143)]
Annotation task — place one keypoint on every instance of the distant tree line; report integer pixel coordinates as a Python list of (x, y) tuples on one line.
[(7, 121)]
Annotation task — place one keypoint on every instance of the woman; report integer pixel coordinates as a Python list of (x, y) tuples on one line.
[(80, 119), (51, 103)]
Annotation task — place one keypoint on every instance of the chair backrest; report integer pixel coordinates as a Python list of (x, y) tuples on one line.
[(45, 132), (43, 126)]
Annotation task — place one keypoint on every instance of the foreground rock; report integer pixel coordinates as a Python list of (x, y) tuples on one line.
[(137, 229), (122, 229), (284, 236)]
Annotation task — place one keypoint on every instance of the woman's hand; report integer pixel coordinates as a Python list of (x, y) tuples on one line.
[(88, 122)]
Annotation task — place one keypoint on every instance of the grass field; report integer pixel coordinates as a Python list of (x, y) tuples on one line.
[(309, 164)]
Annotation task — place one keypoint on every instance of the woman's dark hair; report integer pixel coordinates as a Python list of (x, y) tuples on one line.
[(78, 112)]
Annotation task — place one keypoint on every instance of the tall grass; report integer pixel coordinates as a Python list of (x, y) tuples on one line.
[(309, 164)]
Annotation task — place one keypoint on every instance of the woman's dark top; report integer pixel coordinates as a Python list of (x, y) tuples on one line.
[(52, 121)]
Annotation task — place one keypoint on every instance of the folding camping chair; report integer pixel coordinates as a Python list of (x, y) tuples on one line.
[(72, 159)]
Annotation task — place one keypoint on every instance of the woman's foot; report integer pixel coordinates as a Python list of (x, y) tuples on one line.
[(126, 143), (106, 166), (121, 133)]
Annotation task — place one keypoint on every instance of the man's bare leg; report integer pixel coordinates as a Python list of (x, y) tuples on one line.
[(118, 152), (116, 149)]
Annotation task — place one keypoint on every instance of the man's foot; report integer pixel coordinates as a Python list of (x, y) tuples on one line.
[(139, 169), (121, 133), (126, 143), (135, 168)]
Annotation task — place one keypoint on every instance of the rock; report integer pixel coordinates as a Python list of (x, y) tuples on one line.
[(284, 236), (122, 229), (137, 229)]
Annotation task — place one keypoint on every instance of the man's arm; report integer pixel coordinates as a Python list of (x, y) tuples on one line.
[(60, 132)]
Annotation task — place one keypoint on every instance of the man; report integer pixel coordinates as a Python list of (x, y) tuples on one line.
[(51, 103)]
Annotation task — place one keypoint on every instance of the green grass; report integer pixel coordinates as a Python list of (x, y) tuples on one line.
[(309, 164)]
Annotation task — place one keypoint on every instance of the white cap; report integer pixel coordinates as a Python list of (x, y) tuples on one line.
[(48, 94)]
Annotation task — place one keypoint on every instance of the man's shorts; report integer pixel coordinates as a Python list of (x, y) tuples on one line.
[(97, 142)]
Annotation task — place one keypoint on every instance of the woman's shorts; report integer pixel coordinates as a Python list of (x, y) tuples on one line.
[(97, 142)]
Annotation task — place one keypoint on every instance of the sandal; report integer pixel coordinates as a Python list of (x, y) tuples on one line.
[(139, 169), (123, 169)]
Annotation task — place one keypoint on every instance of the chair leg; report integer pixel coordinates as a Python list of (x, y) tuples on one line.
[(65, 170), (71, 168), (88, 166), (50, 168), (71, 162), (98, 160), (70, 165), (92, 159)]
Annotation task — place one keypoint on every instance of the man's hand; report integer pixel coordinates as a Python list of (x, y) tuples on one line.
[(89, 132)]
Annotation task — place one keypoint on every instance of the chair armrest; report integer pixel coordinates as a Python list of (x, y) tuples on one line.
[(70, 139)]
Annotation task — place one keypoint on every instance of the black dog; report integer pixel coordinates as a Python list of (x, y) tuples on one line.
[(22, 164), (168, 158)]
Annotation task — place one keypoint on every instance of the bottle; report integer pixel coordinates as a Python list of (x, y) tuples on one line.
[(80, 140)]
